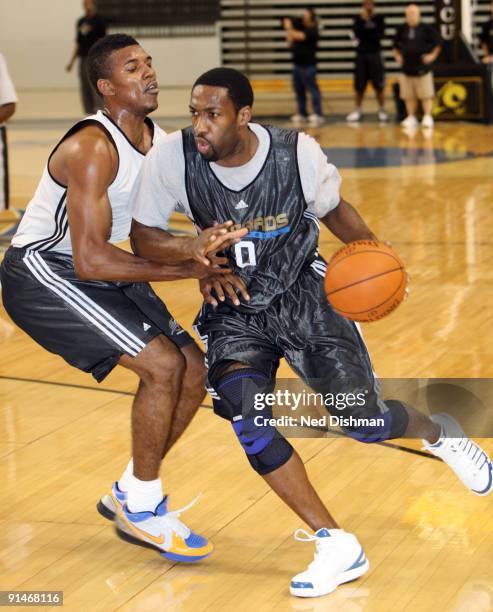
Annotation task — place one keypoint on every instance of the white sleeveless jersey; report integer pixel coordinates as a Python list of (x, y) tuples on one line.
[(44, 226)]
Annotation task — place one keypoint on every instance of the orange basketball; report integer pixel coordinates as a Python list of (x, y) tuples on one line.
[(365, 280)]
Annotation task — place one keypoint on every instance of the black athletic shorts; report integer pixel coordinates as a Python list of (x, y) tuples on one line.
[(323, 348), (88, 323), (369, 67)]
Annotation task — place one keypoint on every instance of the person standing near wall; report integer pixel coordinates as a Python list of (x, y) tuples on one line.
[(416, 47), (90, 28), (368, 29), (8, 99), (303, 40)]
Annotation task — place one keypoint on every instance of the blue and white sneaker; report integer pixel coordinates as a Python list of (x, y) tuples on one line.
[(108, 505), (162, 531), (466, 458), (339, 558)]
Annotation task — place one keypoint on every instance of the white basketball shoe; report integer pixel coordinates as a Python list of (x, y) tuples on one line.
[(466, 458), (339, 557)]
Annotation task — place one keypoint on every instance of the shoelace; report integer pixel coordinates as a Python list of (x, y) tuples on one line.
[(470, 449), (466, 450), (309, 537), (176, 525), (321, 550)]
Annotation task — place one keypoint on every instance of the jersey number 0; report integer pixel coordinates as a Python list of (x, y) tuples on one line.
[(245, 254)]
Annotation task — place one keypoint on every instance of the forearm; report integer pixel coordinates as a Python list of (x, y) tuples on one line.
[(346, 224), (72, 58), (110, 263), (159, 246), (436, 52), (6, 111), (296, 36)]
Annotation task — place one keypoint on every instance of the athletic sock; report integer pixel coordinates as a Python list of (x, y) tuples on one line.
[(439, 442), (123, 483), (144, 495)]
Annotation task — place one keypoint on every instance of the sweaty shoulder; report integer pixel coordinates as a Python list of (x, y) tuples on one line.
[(89, 148)]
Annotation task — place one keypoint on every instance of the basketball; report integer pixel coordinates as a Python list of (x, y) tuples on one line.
[(365, 280)]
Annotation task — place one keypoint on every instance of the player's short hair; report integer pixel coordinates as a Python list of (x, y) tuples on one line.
[(239, 88), (99, 58)]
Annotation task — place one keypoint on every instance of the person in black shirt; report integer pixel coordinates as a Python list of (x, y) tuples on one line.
[(416, 47), (368, 30), (486, 38), (90, 28), (303, 44)]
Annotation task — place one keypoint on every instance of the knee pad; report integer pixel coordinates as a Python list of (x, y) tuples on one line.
[(273, 456), (392, 423), (265, 447), (234, 393)]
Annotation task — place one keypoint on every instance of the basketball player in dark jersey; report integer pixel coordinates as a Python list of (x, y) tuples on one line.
[(279, 185), (70, 288)]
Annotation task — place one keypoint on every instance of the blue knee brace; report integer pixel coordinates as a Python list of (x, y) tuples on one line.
[(265, 447)]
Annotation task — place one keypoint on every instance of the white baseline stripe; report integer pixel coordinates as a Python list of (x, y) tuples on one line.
[(115, 326), (39, 274)]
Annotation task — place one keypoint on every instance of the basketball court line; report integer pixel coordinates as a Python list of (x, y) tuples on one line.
[(335, 432)]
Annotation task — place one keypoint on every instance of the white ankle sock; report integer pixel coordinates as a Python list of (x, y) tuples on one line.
[(123, 483), (143, 495)]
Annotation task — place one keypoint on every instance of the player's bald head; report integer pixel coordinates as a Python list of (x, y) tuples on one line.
[(413, 14)]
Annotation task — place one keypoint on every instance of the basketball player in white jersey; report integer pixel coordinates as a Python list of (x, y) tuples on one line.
[(79, 296)]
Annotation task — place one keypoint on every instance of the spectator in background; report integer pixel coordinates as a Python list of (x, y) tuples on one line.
[(90, 28), (302, 39), (368, 30), (8, 99), (416, 47), (486, 38)]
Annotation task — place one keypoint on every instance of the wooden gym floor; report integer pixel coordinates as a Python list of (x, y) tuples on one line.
[(64, 439)]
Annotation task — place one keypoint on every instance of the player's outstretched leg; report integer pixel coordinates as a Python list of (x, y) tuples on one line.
[(442, 436), (142, 515)]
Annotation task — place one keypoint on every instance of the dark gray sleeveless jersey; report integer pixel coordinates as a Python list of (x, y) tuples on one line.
[(283, 234)]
